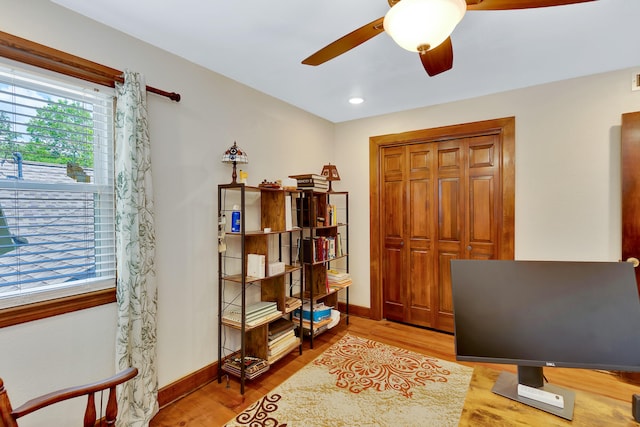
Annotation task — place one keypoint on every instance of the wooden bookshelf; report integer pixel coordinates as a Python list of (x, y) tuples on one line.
[(274, 241)]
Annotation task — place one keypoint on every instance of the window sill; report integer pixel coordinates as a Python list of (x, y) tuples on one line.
[(41, 310)]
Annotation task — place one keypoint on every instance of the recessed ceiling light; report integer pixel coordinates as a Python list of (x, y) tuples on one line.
[(356, 100)]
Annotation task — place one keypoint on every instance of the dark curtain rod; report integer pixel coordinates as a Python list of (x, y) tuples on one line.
[(28, 52)]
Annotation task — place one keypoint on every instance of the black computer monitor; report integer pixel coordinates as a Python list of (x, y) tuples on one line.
[(537, 314)]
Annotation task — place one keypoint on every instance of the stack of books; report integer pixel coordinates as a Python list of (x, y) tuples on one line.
[(255, 314), (291, 303), (338, 280), (253, 366), (311, 181), (282, 337)]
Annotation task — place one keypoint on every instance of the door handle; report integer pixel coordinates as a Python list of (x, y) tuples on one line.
[(635, 261)]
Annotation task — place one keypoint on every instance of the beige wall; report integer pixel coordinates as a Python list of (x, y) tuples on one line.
[(567, 164), (567, 189), (188, 139)]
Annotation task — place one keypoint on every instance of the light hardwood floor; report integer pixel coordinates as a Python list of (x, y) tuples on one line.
[(214, 404)]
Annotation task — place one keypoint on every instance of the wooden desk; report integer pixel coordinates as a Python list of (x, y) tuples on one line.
[(484, 408)]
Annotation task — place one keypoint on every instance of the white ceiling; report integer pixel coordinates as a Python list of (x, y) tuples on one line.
[(261, 44)]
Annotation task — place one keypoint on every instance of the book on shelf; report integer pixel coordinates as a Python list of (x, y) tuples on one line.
[(306, 324), (309, 176), (339, 246), (288, 216), (332, 214), (338, 287), (337, 276), (308, 250), (233, 321), (318, 327), (255, 314), (307, 207), (311, 181), (337, 280), (277, 339), (283, 344), (305, 183), (319, 248), (253, 366), (317, 188), (280, 339), (291, 303), (280, 326)]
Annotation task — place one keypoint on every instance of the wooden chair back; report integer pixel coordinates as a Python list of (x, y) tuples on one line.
[(9, 416)]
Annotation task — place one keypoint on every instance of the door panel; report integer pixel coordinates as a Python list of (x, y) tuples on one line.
[(484, 204), (393, 294), (420, 280), (420, 201), (444, 320), (451, 223), (481, 209), (449, 215), (420, 284), (420, 234), (393, 226)]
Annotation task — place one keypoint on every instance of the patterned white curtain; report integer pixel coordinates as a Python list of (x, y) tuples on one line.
[(135, 249)]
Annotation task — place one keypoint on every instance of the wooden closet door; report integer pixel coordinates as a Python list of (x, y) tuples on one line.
[(469, 205), (408, 230), (439, 202), (393, 211), (630, 159), (436, 195)]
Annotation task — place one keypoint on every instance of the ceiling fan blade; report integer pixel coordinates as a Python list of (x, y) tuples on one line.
[(438, 59), (346, 43), (517, 4)]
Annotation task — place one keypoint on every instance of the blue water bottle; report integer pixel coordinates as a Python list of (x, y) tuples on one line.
[(235, 219)]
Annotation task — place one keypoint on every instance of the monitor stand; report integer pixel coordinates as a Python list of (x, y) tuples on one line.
[(507, 385)]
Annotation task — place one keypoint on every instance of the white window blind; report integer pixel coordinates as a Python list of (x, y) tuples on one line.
[(56, 188)]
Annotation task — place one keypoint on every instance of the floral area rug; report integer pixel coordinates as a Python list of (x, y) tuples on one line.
[(360, 382)]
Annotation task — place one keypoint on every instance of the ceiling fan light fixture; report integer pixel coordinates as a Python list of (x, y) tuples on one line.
[(418, 24)]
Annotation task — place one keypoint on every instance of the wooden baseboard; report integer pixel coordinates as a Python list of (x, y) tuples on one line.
[(190, 383), (355, 310)]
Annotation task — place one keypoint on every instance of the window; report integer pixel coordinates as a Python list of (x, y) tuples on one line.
[(56, 188)]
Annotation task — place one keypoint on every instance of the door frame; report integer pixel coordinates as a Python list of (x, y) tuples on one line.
[(504, 127)]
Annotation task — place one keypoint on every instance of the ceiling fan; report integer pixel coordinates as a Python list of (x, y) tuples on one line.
[(424, 26)]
